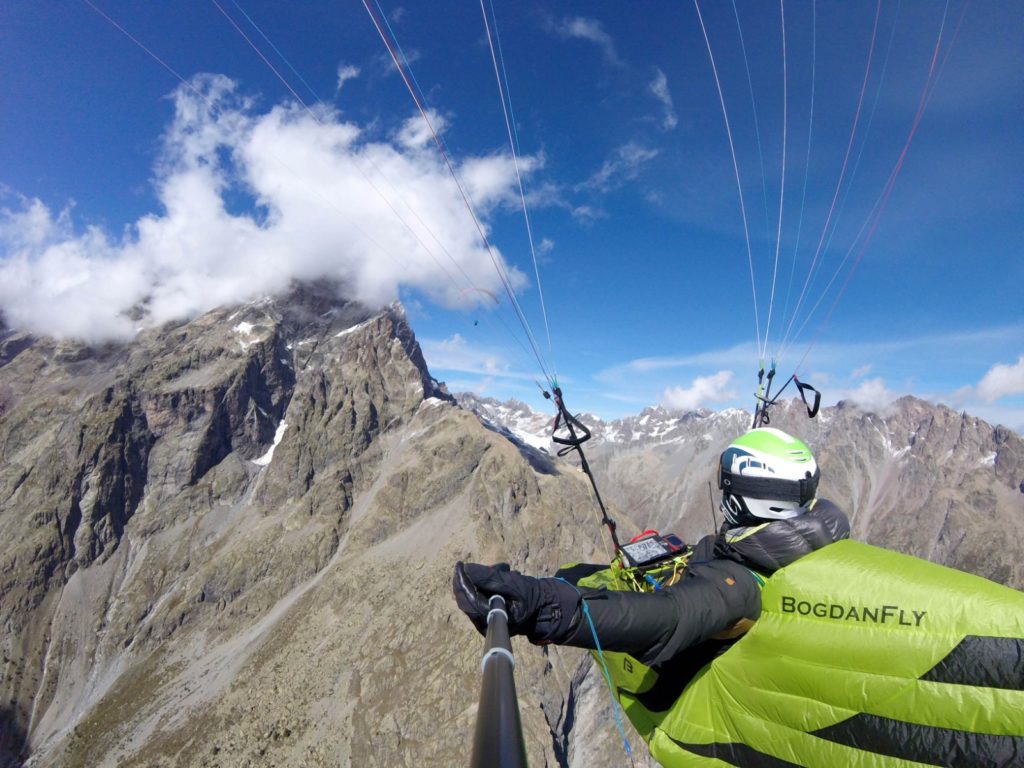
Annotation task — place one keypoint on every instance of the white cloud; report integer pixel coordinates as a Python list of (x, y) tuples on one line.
[(860, 373), (873, 395), (486, 179), (322, 202), (1005, 415), (624, 165), (71, 280), (384, 65), (907, 361), (33, 226), (591, 30), (704, 390), (823, 378), (735, 357), (346, 72), (416, 133), (659, 87), (481, 387), (457, 354), (1002, 380), (586, 214)]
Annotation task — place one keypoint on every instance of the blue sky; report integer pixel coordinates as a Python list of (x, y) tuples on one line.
[(123, 182)]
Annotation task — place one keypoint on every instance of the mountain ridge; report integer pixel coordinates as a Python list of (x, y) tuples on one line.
[(918, 468), (230, 542)]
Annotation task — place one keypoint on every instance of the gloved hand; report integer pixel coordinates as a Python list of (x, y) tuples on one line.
[(541, 609)]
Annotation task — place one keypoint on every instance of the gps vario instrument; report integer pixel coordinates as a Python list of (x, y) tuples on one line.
[(650, 548)]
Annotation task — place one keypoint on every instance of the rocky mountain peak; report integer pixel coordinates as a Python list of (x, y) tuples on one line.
[(232, 537), (95, 436), (229, 542)]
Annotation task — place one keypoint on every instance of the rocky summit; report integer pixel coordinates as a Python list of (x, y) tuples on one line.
[(230, 542)]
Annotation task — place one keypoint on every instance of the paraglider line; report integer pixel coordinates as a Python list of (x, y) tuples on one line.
[(506, 107), (782, 186), (604, 669), (152, 55), (853, 175), (216, 111), (890, 184), (368, 180), (735, 167), (276, 50), (807, 158), (502, 274), (266, 61), (318, 121), (753, 107), (842, 172)]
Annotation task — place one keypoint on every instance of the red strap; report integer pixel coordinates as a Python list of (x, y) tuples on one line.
[(645, 533)]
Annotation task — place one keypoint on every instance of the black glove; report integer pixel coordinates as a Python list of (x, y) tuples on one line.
[(541, 609)]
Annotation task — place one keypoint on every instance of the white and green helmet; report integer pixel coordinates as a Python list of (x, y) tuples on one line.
[(766, 475)]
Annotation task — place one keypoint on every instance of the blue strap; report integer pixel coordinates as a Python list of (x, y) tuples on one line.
[(604, 668)]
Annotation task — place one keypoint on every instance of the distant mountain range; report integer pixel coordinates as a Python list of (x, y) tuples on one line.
[(919, 478), (230, 542), (652, 426)]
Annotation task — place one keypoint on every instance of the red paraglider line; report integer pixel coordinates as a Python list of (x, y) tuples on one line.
[(889, 185), (842, 173)]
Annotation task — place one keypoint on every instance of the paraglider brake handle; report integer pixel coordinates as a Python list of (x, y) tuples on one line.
[(761, 417), (812, 410), (574, 440)]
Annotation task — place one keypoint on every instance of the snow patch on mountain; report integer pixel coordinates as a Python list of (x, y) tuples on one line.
[(652, 426), (267, 457)]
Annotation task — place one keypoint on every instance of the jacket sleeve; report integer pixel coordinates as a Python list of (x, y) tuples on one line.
[(654, 627)]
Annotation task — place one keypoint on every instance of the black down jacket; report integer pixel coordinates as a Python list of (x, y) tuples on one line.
[(717, 591)]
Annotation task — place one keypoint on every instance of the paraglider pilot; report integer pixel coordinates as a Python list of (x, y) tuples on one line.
[(773, 516)]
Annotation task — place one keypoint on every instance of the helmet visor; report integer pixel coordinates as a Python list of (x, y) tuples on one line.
[(798, 491)]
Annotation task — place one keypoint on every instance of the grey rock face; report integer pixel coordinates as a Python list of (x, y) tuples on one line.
[(230, 543), (928, 481)]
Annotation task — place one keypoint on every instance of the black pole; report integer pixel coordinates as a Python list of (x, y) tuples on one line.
[(498, 741), (575, 443)]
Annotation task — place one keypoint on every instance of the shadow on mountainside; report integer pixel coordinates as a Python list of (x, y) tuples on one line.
[(538, 459), (13, 740), (10, 347)]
